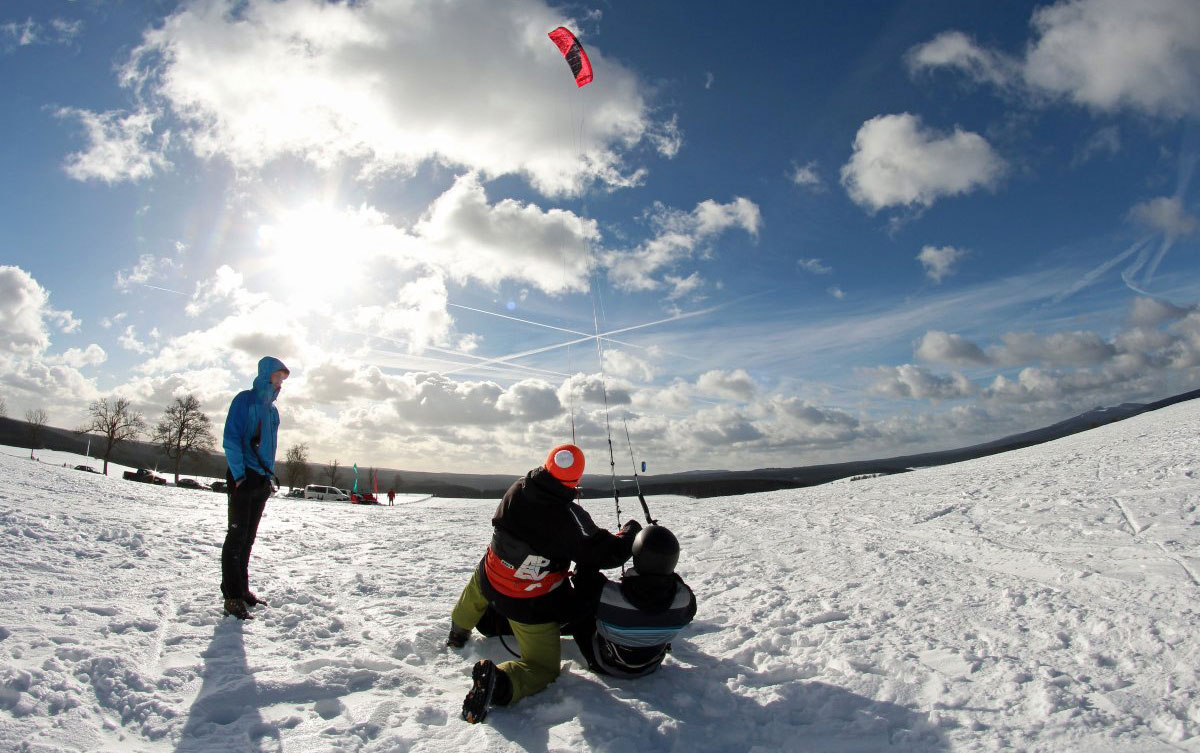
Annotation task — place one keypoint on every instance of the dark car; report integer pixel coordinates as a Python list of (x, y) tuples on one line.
[(144, 476), (363, 498), (87, 468), (218, 486), (188, 483), (295, 493)]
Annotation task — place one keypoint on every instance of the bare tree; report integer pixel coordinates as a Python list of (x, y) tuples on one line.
[(331, 471), (36, 419), (296, 465), (3, 408), (184, 430), (116, 421), (397, 481)]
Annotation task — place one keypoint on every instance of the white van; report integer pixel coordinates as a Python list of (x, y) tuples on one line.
[(317, 491)]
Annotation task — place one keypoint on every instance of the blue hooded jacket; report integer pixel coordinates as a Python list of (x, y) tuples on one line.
[(248, 408)]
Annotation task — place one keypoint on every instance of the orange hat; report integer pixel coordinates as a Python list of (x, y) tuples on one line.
[(565, 463)]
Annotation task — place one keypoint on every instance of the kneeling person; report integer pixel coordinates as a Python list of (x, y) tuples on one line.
[(628, 626)]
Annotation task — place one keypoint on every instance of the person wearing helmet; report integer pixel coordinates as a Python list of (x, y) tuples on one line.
[(537, 531), (627, 626)]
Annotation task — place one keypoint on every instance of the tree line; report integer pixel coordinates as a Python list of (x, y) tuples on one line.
[(183, 431)]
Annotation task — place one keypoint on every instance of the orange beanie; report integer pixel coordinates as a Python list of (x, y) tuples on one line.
[(565, 463)]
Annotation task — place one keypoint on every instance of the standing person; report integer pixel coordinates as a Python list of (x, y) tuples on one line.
[(538, 530), (251, 429), (391, 497)]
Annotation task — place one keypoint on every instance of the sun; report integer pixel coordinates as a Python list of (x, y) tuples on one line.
[(316, 255)]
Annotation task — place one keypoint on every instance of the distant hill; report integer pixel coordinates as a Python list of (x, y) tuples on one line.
[(690, 483)]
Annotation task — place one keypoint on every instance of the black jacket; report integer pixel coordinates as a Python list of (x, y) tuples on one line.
[(538, 531)]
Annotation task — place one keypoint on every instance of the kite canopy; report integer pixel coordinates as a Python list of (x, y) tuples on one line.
[(573, 52)]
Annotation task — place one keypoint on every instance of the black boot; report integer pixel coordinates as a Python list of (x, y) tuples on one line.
[(252, 600), (237, 608), (489, 687)]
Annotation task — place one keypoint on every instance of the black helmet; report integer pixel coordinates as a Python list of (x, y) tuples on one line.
[(655, 551)]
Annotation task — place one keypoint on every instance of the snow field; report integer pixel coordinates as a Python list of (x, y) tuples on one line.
[(1040, 600)]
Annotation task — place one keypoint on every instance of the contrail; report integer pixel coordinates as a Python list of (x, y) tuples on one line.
[(564, 329), (588, 337), (166, 290)]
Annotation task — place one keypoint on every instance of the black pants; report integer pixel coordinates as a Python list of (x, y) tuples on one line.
[(246, 504)]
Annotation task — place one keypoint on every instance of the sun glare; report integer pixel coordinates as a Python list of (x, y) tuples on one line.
[(315, 253)]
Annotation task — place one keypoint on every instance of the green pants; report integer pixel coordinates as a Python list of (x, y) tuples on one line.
[(541, 651)]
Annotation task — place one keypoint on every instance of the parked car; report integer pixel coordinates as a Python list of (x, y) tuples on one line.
[(87, 468), (144, 476), (363, 498), (319, 491), (188, 483), (295, 493), (218, 486)]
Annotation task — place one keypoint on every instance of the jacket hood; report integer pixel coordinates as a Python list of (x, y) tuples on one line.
[(651, 592), (263, 388), (541, 480)]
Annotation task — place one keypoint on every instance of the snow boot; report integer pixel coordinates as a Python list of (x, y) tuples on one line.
[(458, 637), (252, 600), (489, 687), (237, 608)]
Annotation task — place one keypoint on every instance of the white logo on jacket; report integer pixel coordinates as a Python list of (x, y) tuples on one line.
[(531, 569)]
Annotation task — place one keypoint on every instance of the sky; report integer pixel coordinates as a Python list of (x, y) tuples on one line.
[(804, 234)]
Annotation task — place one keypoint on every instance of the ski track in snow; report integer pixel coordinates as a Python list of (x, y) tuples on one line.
[(1041, 600)]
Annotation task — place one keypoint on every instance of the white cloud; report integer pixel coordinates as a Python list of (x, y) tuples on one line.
[(474, 240), (807, 176), (129, 341), (24, 311), (29, 32), (678, 237), (909, 381), (1150, 312), (814, 266), (942, 347), (730, 385), (1107, 140), (387, 85), (899, 162), (77, 358), (1167, 215), (149, 267), (121, 146), (1102, 54), (837, 292), (955, 49), (939, 262)]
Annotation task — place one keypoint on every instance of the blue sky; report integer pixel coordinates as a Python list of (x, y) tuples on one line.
[(811, 234)]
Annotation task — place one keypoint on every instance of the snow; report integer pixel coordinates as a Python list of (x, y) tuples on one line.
[(1041, 600)]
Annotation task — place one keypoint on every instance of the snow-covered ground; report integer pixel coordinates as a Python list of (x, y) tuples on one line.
[(1041, 600)]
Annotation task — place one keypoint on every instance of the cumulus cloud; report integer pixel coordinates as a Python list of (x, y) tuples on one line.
[(942, 347), (1150, 312), (897, 161), (121, 146), (910, 381), (679, 236), (731, 385), (939, 262), (1166, 215), (25, 311), (474, 240), (1102, 54), (368, 83)]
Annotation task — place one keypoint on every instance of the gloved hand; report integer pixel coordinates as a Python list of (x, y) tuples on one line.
[(631, 528)]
